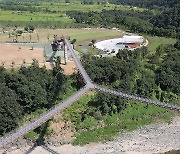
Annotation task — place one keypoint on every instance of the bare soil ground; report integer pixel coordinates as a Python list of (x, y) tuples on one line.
[(62, 131), (15, 54), (11, 53), (69, 68)]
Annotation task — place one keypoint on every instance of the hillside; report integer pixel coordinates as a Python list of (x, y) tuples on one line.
[(150, 71), (166, 23), (168, 19), (147, 3)]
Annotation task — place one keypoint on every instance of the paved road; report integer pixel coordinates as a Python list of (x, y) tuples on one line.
[(89, 85)]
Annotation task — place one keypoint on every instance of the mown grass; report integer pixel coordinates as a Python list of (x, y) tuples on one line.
[(94, 51), (134, 116), (155, 41), (63, 7), (27, 16), (97, 34), (82, 35), (60, 9), (32, 135)]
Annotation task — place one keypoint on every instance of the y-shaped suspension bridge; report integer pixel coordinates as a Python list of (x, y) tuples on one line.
[(61, 106)]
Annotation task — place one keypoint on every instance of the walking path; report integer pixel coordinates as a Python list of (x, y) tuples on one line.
[(89, 85)]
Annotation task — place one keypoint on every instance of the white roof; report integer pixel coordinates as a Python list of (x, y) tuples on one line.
[(112, 44), (109, 45), (132, 39)]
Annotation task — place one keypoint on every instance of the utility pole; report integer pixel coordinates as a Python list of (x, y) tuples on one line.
[(65, 53)]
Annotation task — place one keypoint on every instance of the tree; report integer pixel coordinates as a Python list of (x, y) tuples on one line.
[(160, 50), (168, 74), (57, 69), (177, 45), (10, 110), (26, 28), (31, 96), (48, 37), (67, 1), (106, 104), (31, 28), (93, 41), (37, 37), (30, 37), (73, 41), (19, 32)]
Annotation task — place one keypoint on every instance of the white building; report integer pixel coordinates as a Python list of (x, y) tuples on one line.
[(119, 43), (132, 39)]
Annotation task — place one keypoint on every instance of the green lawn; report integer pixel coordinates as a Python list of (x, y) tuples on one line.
[(59, 9), (26, 16), (88, 35), (63, 7), (155, 41), (82, 35)]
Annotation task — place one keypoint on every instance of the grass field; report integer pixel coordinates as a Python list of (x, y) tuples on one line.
[(56, 11), (27, 16), (155, 41), (82, 35), (63, 7)]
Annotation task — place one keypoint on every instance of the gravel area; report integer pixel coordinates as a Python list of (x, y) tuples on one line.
[(155, 138)]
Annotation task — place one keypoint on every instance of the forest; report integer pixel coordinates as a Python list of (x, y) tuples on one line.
[(99, 116), (166, 23), (147, 3), (140, 73), (27, 90)]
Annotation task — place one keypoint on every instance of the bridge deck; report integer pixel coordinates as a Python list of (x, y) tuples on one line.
[(89, 85)]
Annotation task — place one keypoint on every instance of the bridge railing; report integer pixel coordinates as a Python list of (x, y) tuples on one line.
[(78, 63), (59, 107), (42, 119), (137, 98)]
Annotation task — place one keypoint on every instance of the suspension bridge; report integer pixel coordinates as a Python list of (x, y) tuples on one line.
[(61, 106)]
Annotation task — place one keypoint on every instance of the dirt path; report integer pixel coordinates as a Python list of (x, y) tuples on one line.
[(154, 138)]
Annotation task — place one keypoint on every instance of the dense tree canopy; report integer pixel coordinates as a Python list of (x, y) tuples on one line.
[(104, 104), (26, 90), (168, 19), (168, 74), (163, 24), (138, 71), (147, 3), (10, 109)]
